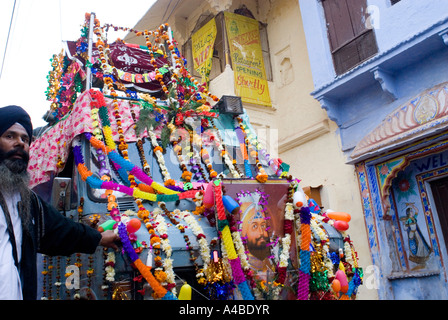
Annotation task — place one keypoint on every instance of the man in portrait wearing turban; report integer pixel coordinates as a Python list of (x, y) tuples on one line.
[(29, 225), (255, 230)]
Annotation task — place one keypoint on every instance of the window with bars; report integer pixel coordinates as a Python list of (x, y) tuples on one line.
[(351, 41)]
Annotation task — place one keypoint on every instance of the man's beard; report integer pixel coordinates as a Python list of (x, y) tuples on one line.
[(259, 248), (16, 165), (14, 178)]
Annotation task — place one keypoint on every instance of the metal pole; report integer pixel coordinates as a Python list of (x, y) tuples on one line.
[(224, 39), (89, 52), (170, 35)]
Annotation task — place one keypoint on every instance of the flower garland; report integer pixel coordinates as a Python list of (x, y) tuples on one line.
[(159, 291), (186, 175), (227, 282), (141, 152), (351, 258), (54, 79), (71, 86), (205, 156), (204, 249), (96, 183), (45, 273), (304, 271), (242, 141), (158, 151), (100, 105), (131, 178), (64, 82), (93, 219), (321, 237), (320, 269), (195, 159), (286, 242), (157, 242), (109, 266), (234, 260), (162, 34), (312, 262), (241, 251), (252, 139), (58, 282), (165, 274), (196, 230), (161, 73), (79, 264), (224, 153), (109, 82), (261, 176), (97, 103), (346, 261)]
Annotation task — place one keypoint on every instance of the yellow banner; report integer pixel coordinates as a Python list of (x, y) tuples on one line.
[(243, 35), (202, 43)]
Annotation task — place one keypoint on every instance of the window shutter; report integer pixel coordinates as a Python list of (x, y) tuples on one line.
[(351, 41)]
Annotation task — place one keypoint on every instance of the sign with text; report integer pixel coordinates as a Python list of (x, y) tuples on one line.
[(243, 35), (202, 43)]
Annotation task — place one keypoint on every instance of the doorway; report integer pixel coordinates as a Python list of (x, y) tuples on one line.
[(440, 194)]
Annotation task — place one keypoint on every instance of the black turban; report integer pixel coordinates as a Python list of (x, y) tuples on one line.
[(14, 114)]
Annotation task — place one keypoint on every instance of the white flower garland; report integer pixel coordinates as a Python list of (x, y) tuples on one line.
[(286, 240), (110, 270), (317, 228), (197, 230), (227, 160), (162, 228), (349, 254), (159, 156), (225, 259), (180, 155), (240, 249), (318, 233), (284, 255)]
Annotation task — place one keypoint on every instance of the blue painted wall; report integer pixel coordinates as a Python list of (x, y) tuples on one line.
[(411, 48), (412, 39)]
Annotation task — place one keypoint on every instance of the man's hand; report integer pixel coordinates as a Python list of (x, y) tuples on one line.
[(109, 239)]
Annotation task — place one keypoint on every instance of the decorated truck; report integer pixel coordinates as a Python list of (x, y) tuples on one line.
[(202, 210)]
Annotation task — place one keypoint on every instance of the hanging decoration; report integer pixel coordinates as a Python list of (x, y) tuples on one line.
[(171, 161)]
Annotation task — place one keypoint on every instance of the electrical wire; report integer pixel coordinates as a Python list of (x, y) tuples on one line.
[(7, 39), (169, 16)]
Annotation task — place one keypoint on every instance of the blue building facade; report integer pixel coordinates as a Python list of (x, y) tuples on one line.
[(380, 70)]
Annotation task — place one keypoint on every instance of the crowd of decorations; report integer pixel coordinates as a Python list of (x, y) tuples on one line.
[(305, 267)]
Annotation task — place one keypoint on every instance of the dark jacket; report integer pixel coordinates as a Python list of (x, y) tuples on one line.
[(54, 235)]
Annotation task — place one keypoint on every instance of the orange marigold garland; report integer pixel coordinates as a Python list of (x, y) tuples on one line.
[(159, 291)]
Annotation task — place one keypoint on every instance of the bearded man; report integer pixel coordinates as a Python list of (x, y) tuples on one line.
[(254, 230), (29, 225)]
